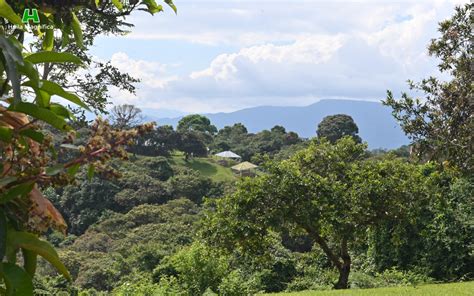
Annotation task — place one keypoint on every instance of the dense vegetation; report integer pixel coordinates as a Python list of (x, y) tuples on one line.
[(154, 213)]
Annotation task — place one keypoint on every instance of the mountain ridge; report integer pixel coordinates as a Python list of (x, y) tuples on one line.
[(376, 125)]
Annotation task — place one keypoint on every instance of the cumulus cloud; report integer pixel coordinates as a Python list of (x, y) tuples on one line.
[(151, 74), (289, 54)]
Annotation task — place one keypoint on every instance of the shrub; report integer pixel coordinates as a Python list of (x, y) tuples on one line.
[(196, 268)]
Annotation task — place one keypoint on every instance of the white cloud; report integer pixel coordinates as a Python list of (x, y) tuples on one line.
[(151, 74), (287, 53)]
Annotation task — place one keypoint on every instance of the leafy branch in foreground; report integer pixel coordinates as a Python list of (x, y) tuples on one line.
[(29, 158)]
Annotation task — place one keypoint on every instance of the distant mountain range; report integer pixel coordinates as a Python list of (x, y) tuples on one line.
[(375, 121)]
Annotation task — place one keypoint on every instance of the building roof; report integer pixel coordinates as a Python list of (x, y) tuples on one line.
[(228, 154), (244, 166)]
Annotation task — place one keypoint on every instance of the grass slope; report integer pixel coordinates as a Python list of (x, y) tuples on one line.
[(206, 167), (460, 289)]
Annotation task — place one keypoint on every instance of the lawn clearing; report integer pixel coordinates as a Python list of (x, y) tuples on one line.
[(455, 289)]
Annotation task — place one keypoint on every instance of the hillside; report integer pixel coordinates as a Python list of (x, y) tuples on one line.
[(376, 124)]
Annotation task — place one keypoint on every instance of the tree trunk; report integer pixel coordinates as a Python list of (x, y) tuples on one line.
[(344, 268), (343, 281)]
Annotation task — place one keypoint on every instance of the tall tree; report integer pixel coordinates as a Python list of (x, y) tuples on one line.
[(441, 124), (191, 144), (125, 116), (159, 142), (334, 127), (196, 122), (327, 192)]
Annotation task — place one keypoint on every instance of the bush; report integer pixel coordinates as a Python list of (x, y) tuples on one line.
[(394, 277), (235, 284), (166, 287), (197, 268), (316, 280)]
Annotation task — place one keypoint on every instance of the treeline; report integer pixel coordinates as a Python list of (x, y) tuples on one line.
[(196, 136)]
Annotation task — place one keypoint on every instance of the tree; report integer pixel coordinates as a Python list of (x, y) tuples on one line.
[(125, 116), (191, 144), (91, 79), (334, 127), (441, 124), (159, 142), (196, 122), (327, 192)]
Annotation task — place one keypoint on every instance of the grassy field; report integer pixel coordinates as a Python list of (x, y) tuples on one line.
[(206, 167), (455, 289)]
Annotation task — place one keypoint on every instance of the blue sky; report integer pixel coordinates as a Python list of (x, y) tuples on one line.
[(225, 55)]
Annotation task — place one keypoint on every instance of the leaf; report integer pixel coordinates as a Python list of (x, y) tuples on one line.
[(55, 89), (30, 260), (171, 4), (65, 36), (53, 57), (117, 4), (32, 243), (33, 134), (42, 98), (48, 41), (7, 12), (5, 134), (90, 172), (3, 234), (18, 190), (7, 180), (60, 110), (152, 6), (17, 281), (12, 56), (29, 70), (43, 211), (72, 171), (76, 29), (41, 114), (54, 170)]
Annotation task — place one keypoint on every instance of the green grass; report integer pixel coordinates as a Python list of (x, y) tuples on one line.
[(206, 167), (454, 289)]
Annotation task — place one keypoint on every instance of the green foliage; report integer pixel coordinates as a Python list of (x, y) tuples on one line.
[(189, 183), (438, 237), (160, 142), (333, 190), (192, 144), (235, 283), (197, 123), (334, 127), (83, 207), (196, 267), (254, 146), (158, 167)]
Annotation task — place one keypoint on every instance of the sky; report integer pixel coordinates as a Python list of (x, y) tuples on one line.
[(226, 55)]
